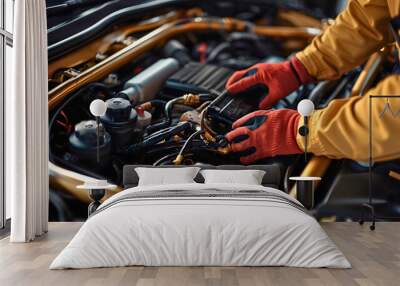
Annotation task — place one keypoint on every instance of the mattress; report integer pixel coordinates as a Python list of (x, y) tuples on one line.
[(201, 225)]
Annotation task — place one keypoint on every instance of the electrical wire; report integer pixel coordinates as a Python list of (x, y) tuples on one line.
[(101, 86), (167, 157), (168, 108), (189, 140), (154, 139)]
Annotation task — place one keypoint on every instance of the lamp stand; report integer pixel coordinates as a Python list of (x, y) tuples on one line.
[(306, 137), (98, 138), (303, 130)]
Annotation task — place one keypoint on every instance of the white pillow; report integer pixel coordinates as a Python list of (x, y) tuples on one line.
[(166, 176), (248, 177)]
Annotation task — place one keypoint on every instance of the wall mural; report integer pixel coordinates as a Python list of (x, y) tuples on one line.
[(162, 72)]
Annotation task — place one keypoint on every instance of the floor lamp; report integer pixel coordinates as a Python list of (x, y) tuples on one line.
[(305, 108), (98, 108), (369, 205)]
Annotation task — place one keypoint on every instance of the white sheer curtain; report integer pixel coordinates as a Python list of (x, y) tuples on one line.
[(26, 123)]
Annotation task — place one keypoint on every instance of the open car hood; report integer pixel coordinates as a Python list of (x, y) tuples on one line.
[(72, 23)]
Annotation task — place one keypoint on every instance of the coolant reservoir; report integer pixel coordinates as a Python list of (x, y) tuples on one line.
[(120, 120), (83, 144)]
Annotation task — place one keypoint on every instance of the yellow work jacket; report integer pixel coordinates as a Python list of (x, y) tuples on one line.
[(341, 129)]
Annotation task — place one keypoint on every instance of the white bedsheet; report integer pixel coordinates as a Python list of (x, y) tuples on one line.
[(206, 231)]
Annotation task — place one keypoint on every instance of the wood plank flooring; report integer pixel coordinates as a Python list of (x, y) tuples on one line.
[(375, 257)]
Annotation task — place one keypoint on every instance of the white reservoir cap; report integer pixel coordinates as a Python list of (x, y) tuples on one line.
[(143, 119), (305, 107), (98, 107)]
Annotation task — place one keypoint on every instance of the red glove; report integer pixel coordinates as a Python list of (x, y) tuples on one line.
[(265, 133), (277, 80)]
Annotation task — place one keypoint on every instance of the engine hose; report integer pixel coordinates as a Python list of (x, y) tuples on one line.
[(216, 51), (159, 137), (162, 136), (188, 99), (171, 147), (157, 103), (161, 150), (164, 130), (167, 113)]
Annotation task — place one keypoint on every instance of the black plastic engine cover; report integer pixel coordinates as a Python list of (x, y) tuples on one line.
[(198, 78)]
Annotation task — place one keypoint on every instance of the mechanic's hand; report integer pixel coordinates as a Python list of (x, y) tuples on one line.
[(276, 80), (265, 133)]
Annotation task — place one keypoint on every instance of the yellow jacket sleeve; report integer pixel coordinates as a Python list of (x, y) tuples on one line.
[(341, 130), (361, 29)]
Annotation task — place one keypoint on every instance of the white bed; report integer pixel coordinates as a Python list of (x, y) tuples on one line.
[(201, 224)]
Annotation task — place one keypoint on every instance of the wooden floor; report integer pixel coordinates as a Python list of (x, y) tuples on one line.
[(375, 257)]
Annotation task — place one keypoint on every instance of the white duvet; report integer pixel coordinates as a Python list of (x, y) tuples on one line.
[(200, 231)]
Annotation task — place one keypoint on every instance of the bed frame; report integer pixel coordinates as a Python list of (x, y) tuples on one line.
[(272, 178)]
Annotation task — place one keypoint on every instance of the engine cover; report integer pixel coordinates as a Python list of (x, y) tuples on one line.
[(198, 78)]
